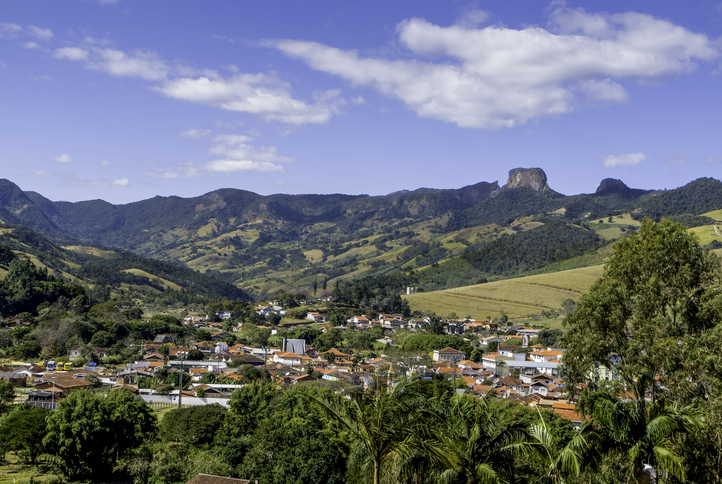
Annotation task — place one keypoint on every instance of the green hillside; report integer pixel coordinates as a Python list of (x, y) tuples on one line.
[(517, 298)]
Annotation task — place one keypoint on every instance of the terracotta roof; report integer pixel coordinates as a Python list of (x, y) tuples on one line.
[(448, 349)]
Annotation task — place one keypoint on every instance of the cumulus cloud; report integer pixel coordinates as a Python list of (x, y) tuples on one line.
[(31, 45), (623, 159), (233, 153), (71, 53), (497, 77), (196, 133), (64, 158), (258, 94)]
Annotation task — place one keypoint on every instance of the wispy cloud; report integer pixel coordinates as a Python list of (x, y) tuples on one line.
[(196, 133), (623, 159), (40, 33), (233, 154), (260, 94), (64, 158), (73, 180), (498, 77)]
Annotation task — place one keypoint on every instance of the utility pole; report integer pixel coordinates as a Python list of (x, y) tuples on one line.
[(180, 386)]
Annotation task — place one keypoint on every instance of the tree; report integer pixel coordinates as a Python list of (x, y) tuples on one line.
[(653, 294), (379, 423), (474, 445), (195, 426), (7, 395), (24, 430), (570, 459), (644, 431), (250, 405), (195, 355), (89, 432)]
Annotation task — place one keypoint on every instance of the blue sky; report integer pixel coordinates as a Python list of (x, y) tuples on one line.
[(124, 100)]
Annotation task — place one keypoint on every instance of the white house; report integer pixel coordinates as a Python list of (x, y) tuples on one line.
[(448, 354)]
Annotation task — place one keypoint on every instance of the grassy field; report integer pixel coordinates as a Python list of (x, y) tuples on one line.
[(706, 234), (715, 215), (517, 298), (13, 472)]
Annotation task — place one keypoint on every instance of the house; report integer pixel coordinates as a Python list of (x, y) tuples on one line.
[(17, 380), (224, 314), (219, 336), (449, 354), (163, 339), (291, 359), (315, 317), (358, 320), (546, 355)]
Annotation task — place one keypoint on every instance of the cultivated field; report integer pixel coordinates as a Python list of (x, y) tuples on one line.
[(516, 298)]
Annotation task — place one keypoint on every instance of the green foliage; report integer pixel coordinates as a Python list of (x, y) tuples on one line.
[(7, 395), (89, 432), (23, 431), (430, 342), (195, 426), (652, 294), (250, 405), (700, 196)]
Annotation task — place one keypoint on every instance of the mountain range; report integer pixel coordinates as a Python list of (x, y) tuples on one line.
[(266, 243)]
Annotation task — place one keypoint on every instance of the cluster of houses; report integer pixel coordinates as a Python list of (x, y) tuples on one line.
[(515, 370)]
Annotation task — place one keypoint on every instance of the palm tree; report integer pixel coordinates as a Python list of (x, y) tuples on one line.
[(473, 444), (645, 431), (381, 422), (569, 460)]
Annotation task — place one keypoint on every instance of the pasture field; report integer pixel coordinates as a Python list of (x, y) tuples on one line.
[(517, 298), (707, 234), (164, 282), (715, 215)]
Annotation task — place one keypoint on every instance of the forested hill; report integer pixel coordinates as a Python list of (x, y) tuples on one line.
[(112, 269), (267, 243)]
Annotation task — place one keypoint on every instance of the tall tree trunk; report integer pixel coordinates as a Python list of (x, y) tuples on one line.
[(377, 471)]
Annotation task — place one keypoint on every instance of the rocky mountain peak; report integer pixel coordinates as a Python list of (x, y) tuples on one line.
[(534, 178), (611, 186)]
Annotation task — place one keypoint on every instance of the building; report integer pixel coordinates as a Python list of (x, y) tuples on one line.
[(448, 354)]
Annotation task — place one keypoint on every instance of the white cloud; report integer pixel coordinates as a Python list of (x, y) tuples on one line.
[(167, 173), (31, 45), (64, 158), (145, 65), (195, 133), (71, 53), (496, 77), (10, 30), (258, 94), (40, 33), (107, 2), (235, 153), (623, 159), (39, 173), (358, 100), (105, 163), (73, 180)]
